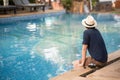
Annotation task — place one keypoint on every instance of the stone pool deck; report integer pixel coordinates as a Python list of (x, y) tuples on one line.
[(25, 13), (109, 72)]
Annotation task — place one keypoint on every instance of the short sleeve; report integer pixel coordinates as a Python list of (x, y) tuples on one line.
[(85, 38)]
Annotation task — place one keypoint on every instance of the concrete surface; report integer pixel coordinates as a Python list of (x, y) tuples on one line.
[(110, 72)]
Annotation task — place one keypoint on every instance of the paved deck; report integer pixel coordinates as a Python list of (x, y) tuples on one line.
[(110, 72), (23, 13)]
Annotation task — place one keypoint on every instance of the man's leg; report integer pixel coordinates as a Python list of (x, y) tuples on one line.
[(77, 62)]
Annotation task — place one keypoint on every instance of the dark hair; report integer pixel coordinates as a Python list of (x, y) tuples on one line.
[(90, 27)]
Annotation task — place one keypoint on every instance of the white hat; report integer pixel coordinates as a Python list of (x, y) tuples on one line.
[(89, 22)]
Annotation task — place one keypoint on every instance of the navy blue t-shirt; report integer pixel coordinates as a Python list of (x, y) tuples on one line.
[(96, 45)]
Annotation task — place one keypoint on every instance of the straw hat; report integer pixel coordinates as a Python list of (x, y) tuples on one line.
[(89, 22)]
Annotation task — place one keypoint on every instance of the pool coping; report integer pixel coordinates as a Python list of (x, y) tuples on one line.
[(75, 74), (32, 16)]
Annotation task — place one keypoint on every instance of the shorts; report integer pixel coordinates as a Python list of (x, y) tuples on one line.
[(88, 61), (91, 60)]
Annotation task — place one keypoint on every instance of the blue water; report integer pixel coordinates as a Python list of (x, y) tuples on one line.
[(42, 48)]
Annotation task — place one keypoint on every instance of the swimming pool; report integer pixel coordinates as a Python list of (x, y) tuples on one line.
[(43, 47)]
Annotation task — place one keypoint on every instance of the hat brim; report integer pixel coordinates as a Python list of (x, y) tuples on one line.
[(89, 26)]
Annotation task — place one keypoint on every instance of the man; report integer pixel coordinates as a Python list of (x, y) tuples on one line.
[(94, 43)]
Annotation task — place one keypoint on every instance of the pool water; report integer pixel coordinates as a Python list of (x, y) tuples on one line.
[(42, 48)]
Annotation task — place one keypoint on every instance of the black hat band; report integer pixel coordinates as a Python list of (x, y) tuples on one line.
[(89, 24)]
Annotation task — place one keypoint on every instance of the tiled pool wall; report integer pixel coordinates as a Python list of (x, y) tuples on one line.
[(28, 17)]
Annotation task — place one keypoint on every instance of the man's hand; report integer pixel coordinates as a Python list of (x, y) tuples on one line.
[(77, 64), (80, 65)]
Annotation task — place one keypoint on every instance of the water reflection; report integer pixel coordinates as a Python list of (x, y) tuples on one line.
[(53, 55), (31, 27), (117, 18), (42, 48)]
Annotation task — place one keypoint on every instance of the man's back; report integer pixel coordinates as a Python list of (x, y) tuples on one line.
[(96, 45)]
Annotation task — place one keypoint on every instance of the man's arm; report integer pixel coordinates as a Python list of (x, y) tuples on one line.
[(84, 51)]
